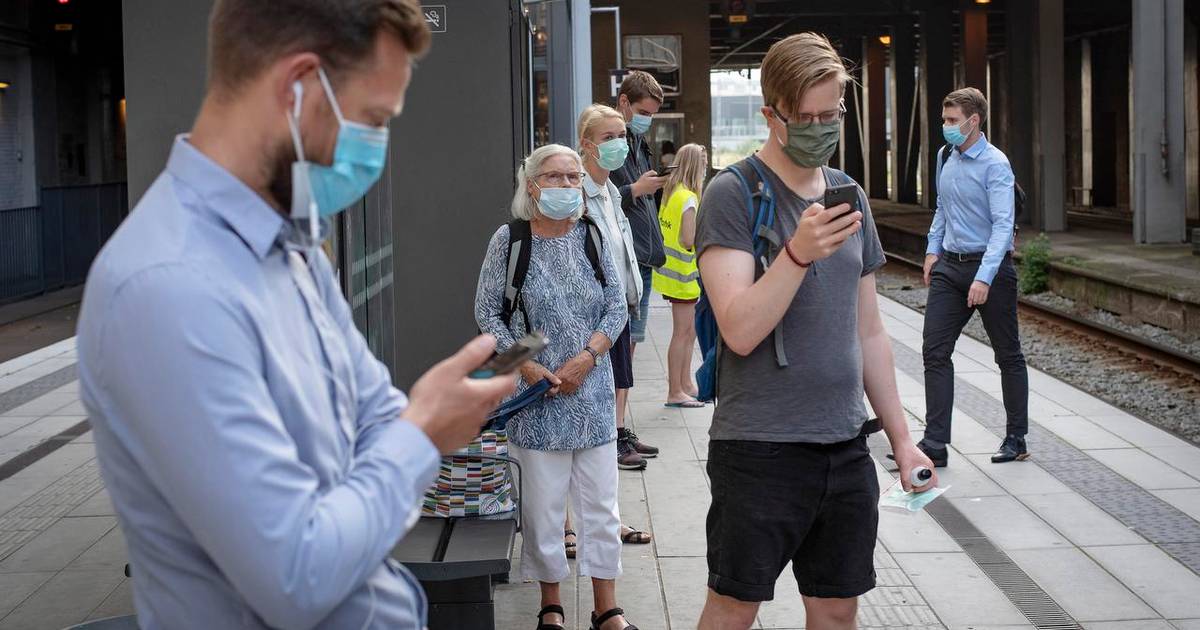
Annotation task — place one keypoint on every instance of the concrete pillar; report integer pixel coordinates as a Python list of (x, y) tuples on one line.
[(1159, 162), (1075, 106), (937, 80), (1036, 110), (906, 133), (852, 158), (973, 45), (562, 74), (875, 119)]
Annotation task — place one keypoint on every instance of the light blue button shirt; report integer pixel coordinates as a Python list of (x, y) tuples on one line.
[(975, 207), (251, 443)]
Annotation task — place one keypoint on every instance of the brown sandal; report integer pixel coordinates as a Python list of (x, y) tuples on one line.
[(571, 547), (636, 537)]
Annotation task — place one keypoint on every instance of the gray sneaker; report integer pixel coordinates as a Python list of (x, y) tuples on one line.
[(627, 457)]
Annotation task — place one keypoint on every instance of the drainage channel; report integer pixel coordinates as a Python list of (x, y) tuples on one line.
[(1038, 607)]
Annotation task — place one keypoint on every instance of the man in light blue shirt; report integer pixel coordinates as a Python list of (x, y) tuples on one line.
[(260, 462), (968, 267)]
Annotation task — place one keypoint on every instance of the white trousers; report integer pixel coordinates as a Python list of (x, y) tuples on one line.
[(589, 477)]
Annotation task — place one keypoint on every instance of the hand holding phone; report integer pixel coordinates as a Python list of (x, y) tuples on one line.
[(843, 194), (504, 363)]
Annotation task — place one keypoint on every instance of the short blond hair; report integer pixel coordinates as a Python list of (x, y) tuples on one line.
[(691, 167), (970, 100), (593, 115), (640, 84), (794, 65), (523, 205)]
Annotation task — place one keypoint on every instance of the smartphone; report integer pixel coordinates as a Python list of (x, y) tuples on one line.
[(504, 363), (665, 170), (837, 195)]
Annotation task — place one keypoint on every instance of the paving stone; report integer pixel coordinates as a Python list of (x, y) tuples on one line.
[(1019, 478), (99, 504), (118, 603), (16, 397), (1135, 430), (1144, 624), (108, 553), (1009, 524), (15, 587), (1085, 590), (678, 489), (957, 590), (683, 585), (1187, 500), (913, 533), (1185, 458), (1080, 521), (1082, 433), (1162, 582), (62, 542), (68, 598), (1144, 469)]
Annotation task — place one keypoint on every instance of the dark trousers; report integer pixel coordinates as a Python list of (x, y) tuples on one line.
[(946, 313)]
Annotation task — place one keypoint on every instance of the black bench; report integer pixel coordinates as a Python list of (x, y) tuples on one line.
[(459, 561)]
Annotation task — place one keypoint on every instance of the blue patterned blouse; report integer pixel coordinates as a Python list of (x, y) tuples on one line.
[(566, 302)]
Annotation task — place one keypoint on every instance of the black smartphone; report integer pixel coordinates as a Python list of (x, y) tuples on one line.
[(525, 349), (665, 170), (837, 195)]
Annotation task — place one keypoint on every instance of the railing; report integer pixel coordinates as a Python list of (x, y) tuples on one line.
[(51, 246)]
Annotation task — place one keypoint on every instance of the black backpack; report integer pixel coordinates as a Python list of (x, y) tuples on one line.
[(520, 242), (1018, 192)]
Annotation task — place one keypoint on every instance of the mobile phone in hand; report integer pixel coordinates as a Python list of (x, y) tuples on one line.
[(666, 170), (837, 195), (504, 363)]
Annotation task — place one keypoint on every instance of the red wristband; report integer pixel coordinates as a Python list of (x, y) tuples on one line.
[(787, 247)]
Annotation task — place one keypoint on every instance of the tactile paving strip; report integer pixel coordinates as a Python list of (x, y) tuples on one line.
[(22, 394), (1161, 523), (37, 513)]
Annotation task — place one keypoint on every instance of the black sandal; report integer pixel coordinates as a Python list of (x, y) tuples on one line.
[(570, 545), (552, 608), (636, 537), (598, 621)]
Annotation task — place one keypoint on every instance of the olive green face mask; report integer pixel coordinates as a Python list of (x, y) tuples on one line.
[(810, 146)]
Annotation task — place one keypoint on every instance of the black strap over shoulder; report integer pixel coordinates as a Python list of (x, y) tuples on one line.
[(520, 244), (520, 241)]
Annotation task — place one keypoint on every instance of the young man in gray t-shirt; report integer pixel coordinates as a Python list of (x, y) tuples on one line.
[(792, 478)]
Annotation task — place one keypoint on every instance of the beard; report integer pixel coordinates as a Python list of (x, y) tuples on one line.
[(280, 184)]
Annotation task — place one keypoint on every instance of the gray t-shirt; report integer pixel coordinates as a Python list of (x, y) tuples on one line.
[(818, 397)]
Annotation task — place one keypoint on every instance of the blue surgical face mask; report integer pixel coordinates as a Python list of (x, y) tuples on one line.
[(557, 204), (954, 135), (640, 124), (358, 159), (611, 155)]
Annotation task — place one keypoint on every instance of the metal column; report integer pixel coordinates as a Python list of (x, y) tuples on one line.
[(906, 133)]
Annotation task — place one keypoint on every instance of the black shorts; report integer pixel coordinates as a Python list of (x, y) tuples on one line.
[(814, 505), (622, 361)]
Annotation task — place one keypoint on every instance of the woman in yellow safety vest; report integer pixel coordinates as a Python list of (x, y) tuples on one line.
[(678, 279)]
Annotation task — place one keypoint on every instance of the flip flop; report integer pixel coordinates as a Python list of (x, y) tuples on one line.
[(687, 404)]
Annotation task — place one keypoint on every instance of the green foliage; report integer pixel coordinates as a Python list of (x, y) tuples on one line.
[(1035, 265)]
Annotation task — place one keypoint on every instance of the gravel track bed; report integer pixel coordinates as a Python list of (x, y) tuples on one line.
[(1155, 396)]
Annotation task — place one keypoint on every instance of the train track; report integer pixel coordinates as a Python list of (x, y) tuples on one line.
[(1143, 353)]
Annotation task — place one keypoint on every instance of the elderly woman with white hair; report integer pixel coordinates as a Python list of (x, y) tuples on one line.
[(566, 442)]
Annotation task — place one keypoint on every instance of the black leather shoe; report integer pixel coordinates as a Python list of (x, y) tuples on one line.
[(1011, 449), (939, 456)]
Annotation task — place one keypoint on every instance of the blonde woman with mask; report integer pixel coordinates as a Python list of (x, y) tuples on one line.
[(678, 279)]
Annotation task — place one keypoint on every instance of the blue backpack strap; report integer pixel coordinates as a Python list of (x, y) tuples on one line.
[(762, 230)]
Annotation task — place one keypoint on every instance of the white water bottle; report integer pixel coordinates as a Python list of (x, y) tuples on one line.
[(920, 476)]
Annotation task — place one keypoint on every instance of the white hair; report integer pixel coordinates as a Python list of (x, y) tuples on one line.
[(523, 205)]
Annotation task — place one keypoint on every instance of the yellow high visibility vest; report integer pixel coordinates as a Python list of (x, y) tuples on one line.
[(678, 277)]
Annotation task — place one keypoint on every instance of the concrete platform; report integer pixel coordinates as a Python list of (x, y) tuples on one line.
[(1158, 284), (1104, 520)]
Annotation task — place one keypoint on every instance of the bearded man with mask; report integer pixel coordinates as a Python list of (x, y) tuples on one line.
[(792, 477), (260, 462)]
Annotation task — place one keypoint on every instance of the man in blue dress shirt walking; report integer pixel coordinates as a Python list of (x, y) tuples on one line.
[(259, 459), (968, 267)]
